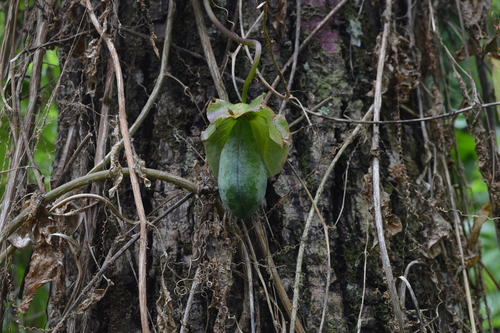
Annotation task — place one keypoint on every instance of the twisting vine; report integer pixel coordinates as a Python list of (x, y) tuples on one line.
[(249, 42)]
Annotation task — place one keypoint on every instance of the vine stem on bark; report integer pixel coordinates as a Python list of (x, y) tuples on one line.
[(122, 115), (377, 210), (156, 89), (207, 49), (18, 221), (110, 260), (319, 192)]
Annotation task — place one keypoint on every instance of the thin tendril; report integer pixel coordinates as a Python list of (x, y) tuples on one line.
[(238, 39)]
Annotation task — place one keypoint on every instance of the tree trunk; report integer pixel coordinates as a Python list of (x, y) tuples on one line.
[(382, 246)]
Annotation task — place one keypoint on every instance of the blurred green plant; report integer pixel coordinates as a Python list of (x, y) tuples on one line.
[(478, 194), (489, 258), (44, 153), (476, 188)]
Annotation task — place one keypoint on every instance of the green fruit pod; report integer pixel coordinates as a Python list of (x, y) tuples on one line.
[(242, 173)]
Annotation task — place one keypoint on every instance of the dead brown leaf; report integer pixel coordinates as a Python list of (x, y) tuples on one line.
[(95, 296), (398, 172), (23, 237), (279, 19), (482, 216), (441, 229), (392, 223), (45, 266), (165, 318)]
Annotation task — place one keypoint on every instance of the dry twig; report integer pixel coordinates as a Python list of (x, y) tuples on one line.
[(270, 301), (23, 125), (209, 53), (303, 240), (190, 300), (131, 164), (110, 259), (264, 246), (307, 226), (456, 220), (156, 89), (377, 209)]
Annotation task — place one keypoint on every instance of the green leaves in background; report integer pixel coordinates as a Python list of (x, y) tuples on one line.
[(271, 132)]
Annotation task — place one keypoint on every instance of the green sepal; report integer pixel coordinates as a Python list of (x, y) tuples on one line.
[(271, 132), (223, 109), (272, 136), (214, 138)]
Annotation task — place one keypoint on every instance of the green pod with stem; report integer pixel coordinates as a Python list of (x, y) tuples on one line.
[(245, 143)]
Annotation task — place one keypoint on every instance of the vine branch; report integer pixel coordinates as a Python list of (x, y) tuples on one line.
[(249, 42), (16, 223), (122, 115), (377, 209), (109, 261), (156, 89)]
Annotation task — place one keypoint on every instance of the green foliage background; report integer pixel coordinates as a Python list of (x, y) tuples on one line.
[(478, 193), (44, 158)]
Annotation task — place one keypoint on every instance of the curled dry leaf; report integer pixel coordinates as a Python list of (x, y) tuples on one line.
[(398, 172), (140, 170), (165, 318), (20, 239), (45, 266), (482, 216), (46, 263), (473, 12), (441, 229), (279, 19), (23, 237), (115, 171), (91, 59), (393, 223)]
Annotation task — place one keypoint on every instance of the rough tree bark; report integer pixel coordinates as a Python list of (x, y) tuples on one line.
[(211, 272)]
